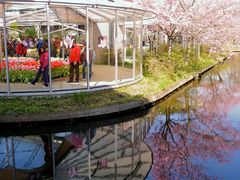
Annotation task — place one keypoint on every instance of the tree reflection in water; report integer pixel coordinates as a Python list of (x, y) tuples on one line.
[(194, 127)]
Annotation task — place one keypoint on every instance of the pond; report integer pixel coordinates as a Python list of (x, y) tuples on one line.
[(194, 134)]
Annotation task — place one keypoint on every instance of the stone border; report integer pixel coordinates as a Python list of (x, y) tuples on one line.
[(107, 110)]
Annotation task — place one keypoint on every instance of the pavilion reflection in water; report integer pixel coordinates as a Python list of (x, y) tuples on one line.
[(109, 152)]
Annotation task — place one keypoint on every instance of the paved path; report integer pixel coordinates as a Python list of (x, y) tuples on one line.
[(103, 75)]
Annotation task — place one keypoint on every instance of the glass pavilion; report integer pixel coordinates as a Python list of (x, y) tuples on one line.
[(102, 25)]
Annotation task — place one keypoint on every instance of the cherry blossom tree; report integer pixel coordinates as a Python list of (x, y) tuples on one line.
[(202, 21), (173, 17), (214, 23)]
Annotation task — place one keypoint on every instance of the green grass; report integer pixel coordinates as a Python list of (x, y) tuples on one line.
[(158, 75)]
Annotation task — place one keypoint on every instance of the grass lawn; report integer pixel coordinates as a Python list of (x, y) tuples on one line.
[(156, 80)]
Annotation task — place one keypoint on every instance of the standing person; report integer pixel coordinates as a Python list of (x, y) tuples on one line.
[(43, 69), (57, 45), (74, 59), (39, 45), (20, 49), (92, 57), (25, 46), (10, 48)]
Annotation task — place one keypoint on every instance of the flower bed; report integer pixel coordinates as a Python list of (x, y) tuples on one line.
[(24, 69)]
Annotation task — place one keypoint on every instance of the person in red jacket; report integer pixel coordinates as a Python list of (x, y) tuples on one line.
[(21, 50), (74, 59), (43, 68)]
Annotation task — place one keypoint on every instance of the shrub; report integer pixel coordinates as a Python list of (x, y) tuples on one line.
[(129, 52), (25, 76), (159, 68), (24, 69)]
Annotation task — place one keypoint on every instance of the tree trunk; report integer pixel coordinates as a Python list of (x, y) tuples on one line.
[(187, 107), (183, 42), (169, 49), (198, 51), (187, 57), (157, 51), (150, 43)]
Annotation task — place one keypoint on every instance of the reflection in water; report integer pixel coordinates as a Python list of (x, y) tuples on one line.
[(24, 148), (111, 152), (192, 135)]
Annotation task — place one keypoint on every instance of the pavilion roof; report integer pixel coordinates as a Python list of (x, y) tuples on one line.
[(71, 11)]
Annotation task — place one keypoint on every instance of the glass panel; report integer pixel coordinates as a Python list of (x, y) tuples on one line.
[(102, 41), (67, 40), (138, 49), (3, 86), (125, 70), (24, 25)]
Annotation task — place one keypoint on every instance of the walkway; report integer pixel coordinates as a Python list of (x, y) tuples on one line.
[(103, 75)]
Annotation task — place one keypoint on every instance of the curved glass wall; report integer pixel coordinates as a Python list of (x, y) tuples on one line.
[(41, 40)]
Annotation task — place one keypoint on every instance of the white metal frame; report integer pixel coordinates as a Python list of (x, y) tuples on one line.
[(107, 13)]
